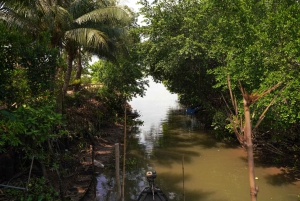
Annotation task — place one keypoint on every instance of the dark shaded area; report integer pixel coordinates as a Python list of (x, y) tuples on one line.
[(170, 156), (171, 188), (167, 146), (281, 178), (174, 184), (285, 177)]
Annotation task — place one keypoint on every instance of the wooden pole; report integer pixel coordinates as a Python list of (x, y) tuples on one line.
[(183, 177), (249, 145), (94, 173), (26, 189), (124, 155), (117, 156), (29, 173)]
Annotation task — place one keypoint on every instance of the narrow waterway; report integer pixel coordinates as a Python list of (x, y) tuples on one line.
[(212, 170)]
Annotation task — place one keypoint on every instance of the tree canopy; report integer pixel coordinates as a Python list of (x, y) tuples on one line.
[(193, 46)]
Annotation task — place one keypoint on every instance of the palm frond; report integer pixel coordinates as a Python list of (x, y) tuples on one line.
[(13, 19), (88, 37), (109, 30), (104, 15), (80, 7), (28, 8), (44, 6), (25, 3), (105, 3), (62, 17), (2, 5), (108, 54)]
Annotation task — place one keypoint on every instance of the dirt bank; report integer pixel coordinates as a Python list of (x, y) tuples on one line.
[(81, 185)]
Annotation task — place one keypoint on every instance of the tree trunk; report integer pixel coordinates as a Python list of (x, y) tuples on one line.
[(68, 73), (124, 156), (249, 145), (78, 72)]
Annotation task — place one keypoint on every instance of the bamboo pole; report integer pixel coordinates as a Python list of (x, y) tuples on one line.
[(26, 189), (183, 177), (117, 156), (94, 180), (29, 173), (124, 155), (14, 187)]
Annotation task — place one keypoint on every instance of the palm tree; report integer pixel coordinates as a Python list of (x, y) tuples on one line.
[(95, 26)]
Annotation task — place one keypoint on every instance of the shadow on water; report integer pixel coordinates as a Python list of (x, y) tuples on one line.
[(277, 174), (171, 185), (169, 156), (187, 128), (165, 145), (281, 178), (174, 188)]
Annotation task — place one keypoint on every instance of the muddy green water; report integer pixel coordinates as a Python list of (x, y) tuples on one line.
[(212, 170)]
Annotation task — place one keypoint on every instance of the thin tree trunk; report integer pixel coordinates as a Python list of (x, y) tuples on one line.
[(78, 72), (249, 145), (68, 74), (124, 156), (247, 141)]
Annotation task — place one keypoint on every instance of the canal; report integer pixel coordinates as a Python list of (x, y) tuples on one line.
[(169, 140)]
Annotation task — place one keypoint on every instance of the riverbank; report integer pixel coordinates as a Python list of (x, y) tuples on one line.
[(80, 184)]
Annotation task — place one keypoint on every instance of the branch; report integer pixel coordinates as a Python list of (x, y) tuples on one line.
[(231, 95), (267, 108)]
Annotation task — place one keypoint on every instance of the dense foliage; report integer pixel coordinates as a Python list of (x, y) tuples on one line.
[(174, 48), (28, 69), (45, 48), (194, 46), (125, 78)]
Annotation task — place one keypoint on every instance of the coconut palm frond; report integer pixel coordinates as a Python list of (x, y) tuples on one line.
[(25, 3), (44, 6), (104, 15), (24, 15), (25, 9), (63, 3), (13, 19), (63, 17), (88, 37), (108, 54), (2, 5), (112, 32), (105, 3), (80, 7)]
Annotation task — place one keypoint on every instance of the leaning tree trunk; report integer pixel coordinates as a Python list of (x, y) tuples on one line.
[(78, 72), (68, 73), (249, 145)]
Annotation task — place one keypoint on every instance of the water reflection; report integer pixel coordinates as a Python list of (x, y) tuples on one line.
[(213, 170)]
